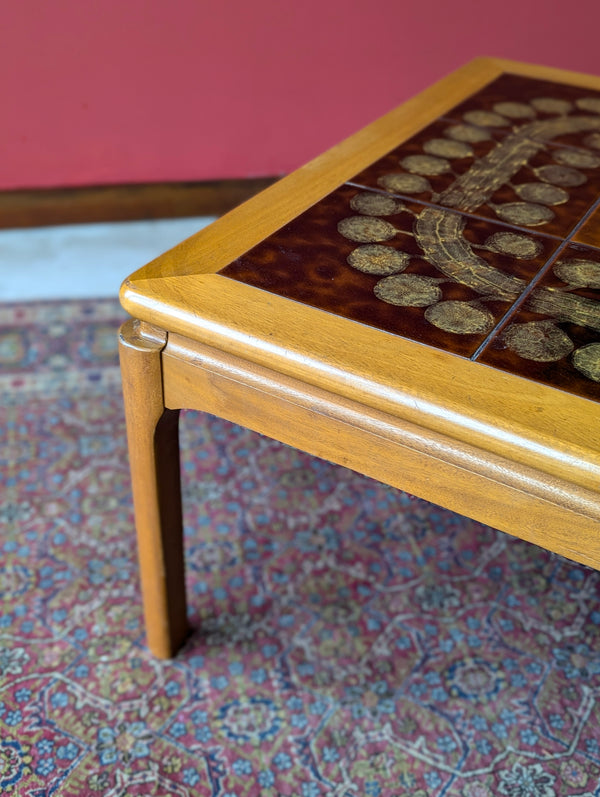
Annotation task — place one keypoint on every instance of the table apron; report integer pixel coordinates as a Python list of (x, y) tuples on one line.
[(528, 502)]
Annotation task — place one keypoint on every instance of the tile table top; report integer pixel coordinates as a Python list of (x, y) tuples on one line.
[(479, 235)]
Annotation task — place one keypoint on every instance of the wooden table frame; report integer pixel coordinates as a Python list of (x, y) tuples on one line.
[(516, 454)]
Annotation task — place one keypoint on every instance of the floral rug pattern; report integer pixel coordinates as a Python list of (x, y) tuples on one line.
[(349, 639)]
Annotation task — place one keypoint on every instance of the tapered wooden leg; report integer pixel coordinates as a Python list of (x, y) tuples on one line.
[(152, 435)]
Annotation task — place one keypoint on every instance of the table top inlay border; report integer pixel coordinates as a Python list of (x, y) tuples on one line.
[(184, 292), (520, 152)]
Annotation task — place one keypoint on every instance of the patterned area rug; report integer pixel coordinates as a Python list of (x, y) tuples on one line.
[(350, 639)]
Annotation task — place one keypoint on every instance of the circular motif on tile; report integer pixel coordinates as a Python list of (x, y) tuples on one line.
[(366, 229), (403, 183), (540, 341), (378, 259), (514, 110), (510, 243), (485, 119), (408, 290), (551, 105), (577, 158), (462, 318), (447, 148), (587, 361), (593, 140), (579, 272), (474, 679), (560, 175), (370, 204), (467, 133), (591, 104), (543, 193), (526, 213), (251, 720), (428, 165)]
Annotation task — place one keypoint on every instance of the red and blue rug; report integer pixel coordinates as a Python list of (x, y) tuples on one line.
[(349, 639)]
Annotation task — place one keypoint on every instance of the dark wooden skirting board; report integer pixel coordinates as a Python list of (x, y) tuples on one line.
[(43, 207)]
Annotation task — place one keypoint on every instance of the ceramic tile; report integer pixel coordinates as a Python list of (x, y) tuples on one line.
[(429, 163), (554, 337), (559, 113), (521, 177), (426, 273), (589, 233), (454, 231)]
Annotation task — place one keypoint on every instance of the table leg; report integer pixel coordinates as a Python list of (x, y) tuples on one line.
[(153, 441)]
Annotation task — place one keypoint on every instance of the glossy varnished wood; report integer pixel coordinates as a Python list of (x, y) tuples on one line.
[(495, 411), (152, 436), (535, 505), (490, 443)]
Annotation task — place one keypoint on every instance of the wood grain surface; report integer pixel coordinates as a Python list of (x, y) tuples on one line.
[(455, 424), (152, 436)]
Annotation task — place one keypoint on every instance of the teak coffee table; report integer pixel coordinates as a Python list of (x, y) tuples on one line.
[(421, 304)]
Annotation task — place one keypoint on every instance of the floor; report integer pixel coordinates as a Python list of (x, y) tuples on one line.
[(82, 261)]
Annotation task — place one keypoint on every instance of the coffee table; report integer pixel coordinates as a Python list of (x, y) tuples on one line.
[(421, 304)]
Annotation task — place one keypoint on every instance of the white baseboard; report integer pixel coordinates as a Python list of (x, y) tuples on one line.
[(83, 261)]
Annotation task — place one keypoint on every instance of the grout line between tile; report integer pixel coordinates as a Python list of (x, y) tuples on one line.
[(534, 282), (475, 216)]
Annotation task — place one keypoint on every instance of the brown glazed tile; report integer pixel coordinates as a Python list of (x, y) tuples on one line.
[(425, 273), (527, 199), (554, 337), (428, 164), (439, 240), (589, 233), (516, 100), (505, 167)]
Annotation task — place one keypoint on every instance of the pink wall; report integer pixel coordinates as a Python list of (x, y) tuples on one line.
[(112, 91)]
